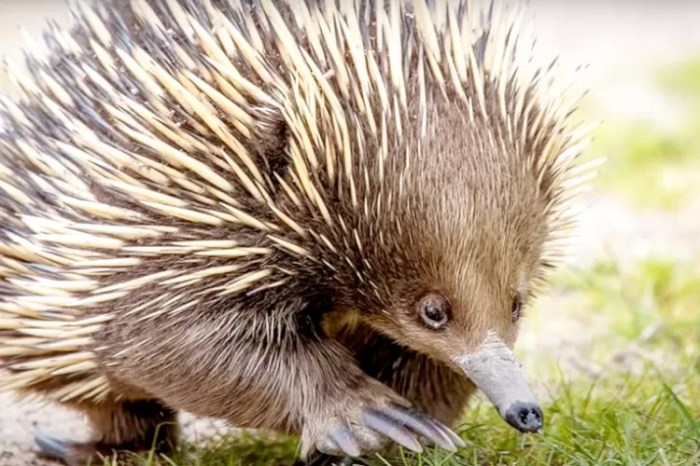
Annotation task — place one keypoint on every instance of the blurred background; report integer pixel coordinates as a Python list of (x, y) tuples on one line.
[(614, 345)]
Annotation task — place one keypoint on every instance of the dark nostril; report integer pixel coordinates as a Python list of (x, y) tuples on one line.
[(526, 417)]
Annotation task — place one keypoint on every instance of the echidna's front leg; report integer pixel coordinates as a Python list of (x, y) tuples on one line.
[(133, 426), (432, 387), (280, 372)]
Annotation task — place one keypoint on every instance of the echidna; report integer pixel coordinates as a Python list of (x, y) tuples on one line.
[(319, 218)]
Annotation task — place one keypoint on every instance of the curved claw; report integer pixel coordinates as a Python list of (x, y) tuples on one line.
[(380, 422), (421, 425), (52, 447), (345, 440), (456, 439)]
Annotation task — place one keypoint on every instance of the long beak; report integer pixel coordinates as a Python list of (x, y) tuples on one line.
[(494, 370)]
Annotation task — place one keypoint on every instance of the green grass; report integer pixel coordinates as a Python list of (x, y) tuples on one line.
[(636, 297)]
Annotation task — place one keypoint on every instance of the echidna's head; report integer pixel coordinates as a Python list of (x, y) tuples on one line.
[(447, 268)]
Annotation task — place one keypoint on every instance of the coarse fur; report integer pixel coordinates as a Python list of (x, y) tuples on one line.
[(231, 207)]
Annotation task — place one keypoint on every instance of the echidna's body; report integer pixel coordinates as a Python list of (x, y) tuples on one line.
[(219, 206)]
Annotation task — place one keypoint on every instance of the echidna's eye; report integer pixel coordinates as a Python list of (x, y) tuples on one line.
[(434, 310), (516, 309)]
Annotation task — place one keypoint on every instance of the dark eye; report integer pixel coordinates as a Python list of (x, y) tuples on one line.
[(516, 309), (434, 310)]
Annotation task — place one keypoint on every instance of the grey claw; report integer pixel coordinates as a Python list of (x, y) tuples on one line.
[(327, 446), (383, 424), (456, 439), (422, 425), (343, 438), (51, 446)]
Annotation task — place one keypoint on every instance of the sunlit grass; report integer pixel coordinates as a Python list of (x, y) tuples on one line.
[(653, 293), (614, 420)]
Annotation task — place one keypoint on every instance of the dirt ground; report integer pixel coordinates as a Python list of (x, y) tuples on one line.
[(618, 40)]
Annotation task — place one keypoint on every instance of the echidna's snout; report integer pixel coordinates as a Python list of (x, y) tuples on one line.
[(494, 370), (526, 417)]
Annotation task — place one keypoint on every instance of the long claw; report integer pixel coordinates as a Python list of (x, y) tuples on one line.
[(456, 439), (421, 425), (383, 424), (345, 440), (52, 447), (327, 445)]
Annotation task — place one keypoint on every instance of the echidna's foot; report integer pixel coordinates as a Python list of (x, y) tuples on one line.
[(120, 430), (84, 453), (366, 422), (73, 453)]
